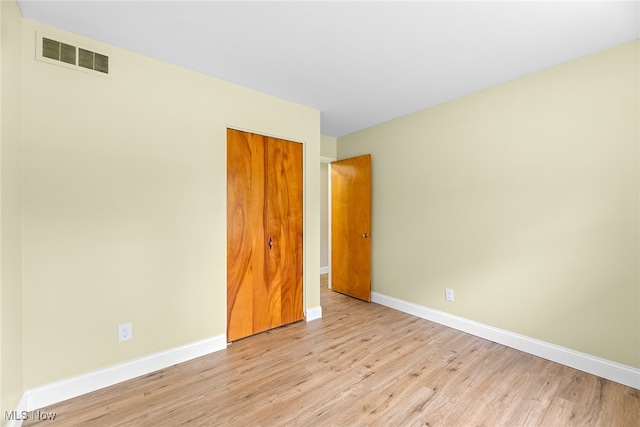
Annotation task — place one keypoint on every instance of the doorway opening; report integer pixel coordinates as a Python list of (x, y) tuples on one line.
[(325, 221)]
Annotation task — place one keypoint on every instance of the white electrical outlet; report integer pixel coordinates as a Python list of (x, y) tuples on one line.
[(124, 332), (448, 294)]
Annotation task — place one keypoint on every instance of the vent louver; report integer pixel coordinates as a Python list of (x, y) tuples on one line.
[(59, 51), (93, 61), (73, 55)]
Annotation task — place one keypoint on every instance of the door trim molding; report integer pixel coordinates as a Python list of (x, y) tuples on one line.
[(604, 368)]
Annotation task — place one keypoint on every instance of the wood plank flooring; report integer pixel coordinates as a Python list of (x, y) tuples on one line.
[(362, 364)]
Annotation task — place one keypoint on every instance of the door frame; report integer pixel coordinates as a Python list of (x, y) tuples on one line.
[(328, 161)]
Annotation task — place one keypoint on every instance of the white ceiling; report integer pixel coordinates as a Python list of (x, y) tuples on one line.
[(359, 63)]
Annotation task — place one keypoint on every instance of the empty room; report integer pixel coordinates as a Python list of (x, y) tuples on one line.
[(320, 213)]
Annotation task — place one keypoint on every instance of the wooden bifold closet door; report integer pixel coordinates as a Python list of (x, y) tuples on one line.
[(264, 233)]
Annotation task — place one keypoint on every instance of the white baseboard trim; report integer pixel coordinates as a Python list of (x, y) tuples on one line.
[(313, 314), (19, 415), (49, 394), (324, 270), (584, 362)]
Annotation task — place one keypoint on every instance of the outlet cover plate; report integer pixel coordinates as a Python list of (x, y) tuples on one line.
[(448, 294), (124, 332)]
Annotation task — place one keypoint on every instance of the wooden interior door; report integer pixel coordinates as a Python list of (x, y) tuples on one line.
[(264, 233), (351, 227)]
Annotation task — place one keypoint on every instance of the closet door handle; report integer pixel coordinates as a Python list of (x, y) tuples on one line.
[(270, 243)]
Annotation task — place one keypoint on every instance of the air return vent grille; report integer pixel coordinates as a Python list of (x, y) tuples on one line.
[(93, 61), (56, 51), (59, 51)]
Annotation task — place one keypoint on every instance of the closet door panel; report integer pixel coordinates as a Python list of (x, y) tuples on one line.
[(284, 225), (245, 232)]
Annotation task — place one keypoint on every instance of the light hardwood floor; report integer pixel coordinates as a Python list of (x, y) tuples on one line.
[(362, 364)]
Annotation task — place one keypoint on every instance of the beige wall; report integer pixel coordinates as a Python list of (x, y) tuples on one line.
[(328, 146), (10, 212), (523, 198), (124, 205)]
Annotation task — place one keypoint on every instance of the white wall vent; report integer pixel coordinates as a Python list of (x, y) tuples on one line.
[(62, 52)]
